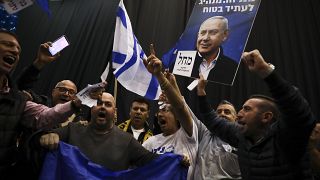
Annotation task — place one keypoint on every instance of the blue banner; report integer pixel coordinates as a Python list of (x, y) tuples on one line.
[(68, 163)]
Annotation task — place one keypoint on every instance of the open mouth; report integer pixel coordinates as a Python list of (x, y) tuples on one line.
[(137, 118), (241, 123), (102, 114), (162, 122), (64, 100), (9, 59)]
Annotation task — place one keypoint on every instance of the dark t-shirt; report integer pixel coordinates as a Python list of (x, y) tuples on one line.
[(116, 150)]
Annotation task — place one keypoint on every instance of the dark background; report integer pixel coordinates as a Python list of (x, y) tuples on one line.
[(286, 32)]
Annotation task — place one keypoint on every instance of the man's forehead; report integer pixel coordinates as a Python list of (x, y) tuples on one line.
[(253, 102), (226, 106), (211, 24), (139, 104), (66, 83), (8, 37)]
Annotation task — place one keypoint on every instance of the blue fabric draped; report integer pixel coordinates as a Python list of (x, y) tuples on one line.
[(68, 163)]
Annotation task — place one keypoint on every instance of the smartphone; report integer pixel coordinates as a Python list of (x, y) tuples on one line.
[(58, 45)]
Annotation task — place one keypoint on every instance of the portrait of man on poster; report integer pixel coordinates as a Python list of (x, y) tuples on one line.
[(210, 58)]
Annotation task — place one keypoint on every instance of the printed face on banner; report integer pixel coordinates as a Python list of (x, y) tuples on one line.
[(212, 33), (218, 30)]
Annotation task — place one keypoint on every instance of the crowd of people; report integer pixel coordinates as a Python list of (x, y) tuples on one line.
[(273, 137)]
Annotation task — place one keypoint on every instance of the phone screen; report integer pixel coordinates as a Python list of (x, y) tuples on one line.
[(58, 45)]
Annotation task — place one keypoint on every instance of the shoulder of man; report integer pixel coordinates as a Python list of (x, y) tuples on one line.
[(147, 135)]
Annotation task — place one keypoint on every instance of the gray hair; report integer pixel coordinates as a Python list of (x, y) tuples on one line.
[(223, 19)]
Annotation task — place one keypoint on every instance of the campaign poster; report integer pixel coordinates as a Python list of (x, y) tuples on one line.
[(214, 40)]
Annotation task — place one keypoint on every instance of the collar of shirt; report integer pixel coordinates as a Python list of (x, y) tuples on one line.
[(136, 132), (204, 68)]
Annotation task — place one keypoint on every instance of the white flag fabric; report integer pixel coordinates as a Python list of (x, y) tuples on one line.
[(127, 58)]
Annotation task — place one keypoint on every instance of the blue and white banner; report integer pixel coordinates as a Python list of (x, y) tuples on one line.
[(127, 58), (68, 163)]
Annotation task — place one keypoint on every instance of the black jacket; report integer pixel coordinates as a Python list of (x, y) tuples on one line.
[(282, 153), (223, 71), (12, 105)]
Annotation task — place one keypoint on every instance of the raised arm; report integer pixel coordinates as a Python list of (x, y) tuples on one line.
[(221, 127), (30, 74), (297, 119), (290, 102), (154, 66), (44, 57)]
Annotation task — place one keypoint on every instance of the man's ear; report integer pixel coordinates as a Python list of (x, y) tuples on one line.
[(267, 117), (115, 118), (226, 35), (54, 89), (148, 114)]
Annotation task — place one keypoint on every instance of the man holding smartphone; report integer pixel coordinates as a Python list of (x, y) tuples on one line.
[(30, 74), (16, 113)]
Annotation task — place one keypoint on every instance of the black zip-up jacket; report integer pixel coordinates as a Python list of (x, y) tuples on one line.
[(282, 153)]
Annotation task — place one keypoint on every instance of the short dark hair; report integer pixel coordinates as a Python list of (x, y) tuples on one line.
[(2, 30), (141, 100), (225, 102), (270, 105)]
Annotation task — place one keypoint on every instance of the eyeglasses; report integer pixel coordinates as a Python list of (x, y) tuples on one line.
[(71, 92)]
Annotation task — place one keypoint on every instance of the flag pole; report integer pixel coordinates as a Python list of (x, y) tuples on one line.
[(115, 90), (115, 94)]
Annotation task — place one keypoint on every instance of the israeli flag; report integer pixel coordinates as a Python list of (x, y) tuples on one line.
[(127, 58)]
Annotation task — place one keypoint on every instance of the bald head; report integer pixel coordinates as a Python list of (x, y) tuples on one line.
[(108, 97), (66, 83), (64, 91), (104, 113)]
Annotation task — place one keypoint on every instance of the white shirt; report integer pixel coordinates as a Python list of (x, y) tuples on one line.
[(136, 132), (179, 143), (205, 69)]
